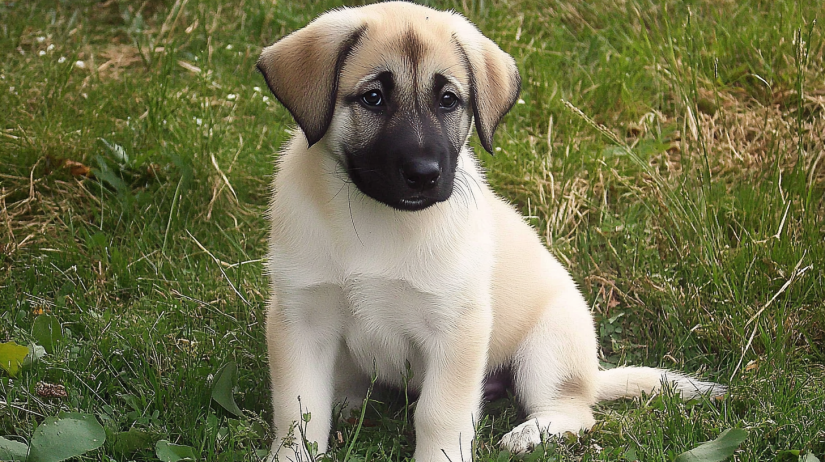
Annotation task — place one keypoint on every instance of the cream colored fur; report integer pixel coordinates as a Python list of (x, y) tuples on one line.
[(456, 290)]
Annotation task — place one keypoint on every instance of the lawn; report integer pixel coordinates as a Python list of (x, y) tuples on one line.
[(669, 153)]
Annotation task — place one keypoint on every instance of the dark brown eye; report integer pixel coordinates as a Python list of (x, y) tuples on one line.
[(372, 98), (448, 100)]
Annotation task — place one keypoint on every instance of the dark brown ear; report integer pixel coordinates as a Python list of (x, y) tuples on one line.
[(302, 69), (494, 79)]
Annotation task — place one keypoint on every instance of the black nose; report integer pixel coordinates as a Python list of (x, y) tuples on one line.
[(421, 174)]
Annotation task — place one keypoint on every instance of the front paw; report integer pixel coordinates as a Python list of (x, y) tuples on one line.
[(522, 439)]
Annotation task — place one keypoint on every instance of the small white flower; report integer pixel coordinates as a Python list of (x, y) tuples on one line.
[(256, 89), (50, 47), (41, 53), (498, 149), (199, 122), (41, 39), (229, 47), (11, 89), (84, 95), (520, 101), (265, 99), (80, 65), (231, 96), (61, 60)]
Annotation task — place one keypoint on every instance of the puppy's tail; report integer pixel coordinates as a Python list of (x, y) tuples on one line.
[(630, 382)]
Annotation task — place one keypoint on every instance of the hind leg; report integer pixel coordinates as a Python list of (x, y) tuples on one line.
[(555, 371)]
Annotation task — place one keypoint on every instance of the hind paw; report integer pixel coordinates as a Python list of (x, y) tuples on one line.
[(525, 437)]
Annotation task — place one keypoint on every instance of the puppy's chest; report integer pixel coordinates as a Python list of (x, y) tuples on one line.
[(384, 322)]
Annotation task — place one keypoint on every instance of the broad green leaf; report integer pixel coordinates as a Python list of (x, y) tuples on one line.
[(129, 442), (12, 356), (787, 455), (212, 424), (258, 429), (12, 450), (36, 352), (47, 331), (168, 452), (107, 175), (68, 435), (717, 450), (222, 386)]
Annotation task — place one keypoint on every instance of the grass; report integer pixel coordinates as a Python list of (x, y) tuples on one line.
[(670, 153)]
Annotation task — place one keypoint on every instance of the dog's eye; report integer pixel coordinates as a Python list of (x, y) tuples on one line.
[(373, 98), (448, 100)]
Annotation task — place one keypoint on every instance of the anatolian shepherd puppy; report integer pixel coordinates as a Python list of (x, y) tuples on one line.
[(388, 248)]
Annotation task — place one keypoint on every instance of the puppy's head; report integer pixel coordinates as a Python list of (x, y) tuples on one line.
[(392, 89)]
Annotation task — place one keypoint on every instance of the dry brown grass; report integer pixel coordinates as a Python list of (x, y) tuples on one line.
[(116, 58), (32, 210), (746, 138)]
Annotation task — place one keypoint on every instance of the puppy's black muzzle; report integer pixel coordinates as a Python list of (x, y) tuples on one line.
[(403, 171)]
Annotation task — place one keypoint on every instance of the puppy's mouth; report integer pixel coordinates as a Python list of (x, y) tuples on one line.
[(414, 203)]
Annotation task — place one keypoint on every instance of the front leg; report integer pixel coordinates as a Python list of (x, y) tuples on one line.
[(449, 406), (302, 351)]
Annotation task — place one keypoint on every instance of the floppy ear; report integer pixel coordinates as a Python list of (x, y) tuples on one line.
[(302, 68), (494, 79)]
